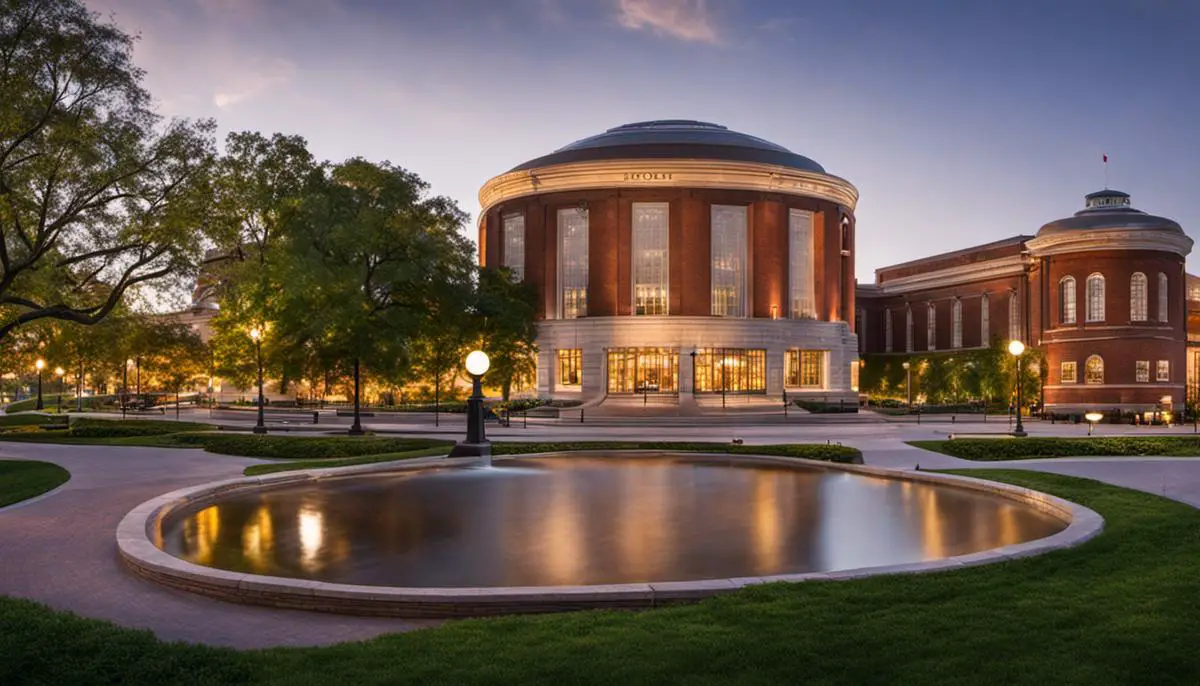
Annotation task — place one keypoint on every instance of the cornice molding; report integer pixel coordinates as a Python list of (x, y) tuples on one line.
[(666, 173), (1110, 239), (1001, 267)]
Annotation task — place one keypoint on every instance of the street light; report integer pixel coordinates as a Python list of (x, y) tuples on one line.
[(1016, 349), (256, 336), (908, 383), (59, 371), (40, 364), (1092, 418), (125, 387), (476, 445)]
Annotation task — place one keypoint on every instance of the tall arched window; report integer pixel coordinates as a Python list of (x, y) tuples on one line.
[(931, 328), (1094, 370), (956, 324), (908, 329), (1137, 298), (1066, 300), (887, 330), (985, 321), (1095, 298), (1164, 299), (1014, 316)]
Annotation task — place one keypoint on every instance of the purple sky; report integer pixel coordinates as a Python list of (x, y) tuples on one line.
[(960, 121)]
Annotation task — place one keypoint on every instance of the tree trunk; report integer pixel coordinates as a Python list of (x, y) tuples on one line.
[(506, 389), (437, 388), (356, 428)]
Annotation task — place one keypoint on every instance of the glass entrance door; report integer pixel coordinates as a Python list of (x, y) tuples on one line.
[(643, 370)]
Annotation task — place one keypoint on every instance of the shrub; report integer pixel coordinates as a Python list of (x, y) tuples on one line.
[(993, 449), (25, 420), (115, 428), (304, 448), (825, 408)]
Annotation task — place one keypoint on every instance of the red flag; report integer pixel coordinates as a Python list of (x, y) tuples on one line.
[(1106, 158)]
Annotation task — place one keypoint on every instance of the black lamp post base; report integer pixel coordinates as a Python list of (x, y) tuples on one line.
[(480, 450), (357, 431), (260, 429), (1020, 433)]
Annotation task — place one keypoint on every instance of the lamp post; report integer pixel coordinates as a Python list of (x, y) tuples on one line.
[(1017, 348), (1092, 418), (40, 365), (476, 445), (256, 336), (125, 387), (908, 383), (59, 371)]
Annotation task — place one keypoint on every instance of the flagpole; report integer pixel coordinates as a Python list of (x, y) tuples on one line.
[(1105, 171)]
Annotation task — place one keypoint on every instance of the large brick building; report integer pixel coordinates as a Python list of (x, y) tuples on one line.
[(1103, 294)]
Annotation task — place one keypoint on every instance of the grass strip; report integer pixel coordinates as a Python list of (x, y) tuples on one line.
[(260, 469), (1030, 448), (25, 479)]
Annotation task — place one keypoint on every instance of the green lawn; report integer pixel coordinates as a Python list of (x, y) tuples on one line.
[(1122, 608), (25, 479), (13, 420), (996, 449)]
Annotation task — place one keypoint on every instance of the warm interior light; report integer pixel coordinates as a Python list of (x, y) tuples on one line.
[(1016, 348), (774, 312), (1093, 417), (478, 363), (40, 364)]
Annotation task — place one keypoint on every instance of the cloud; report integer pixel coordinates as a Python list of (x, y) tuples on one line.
[(687, 20), (247, 83)]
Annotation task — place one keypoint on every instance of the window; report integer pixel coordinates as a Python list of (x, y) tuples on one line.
[(643, 370), (651, 266), (956, 324), (514, 245), (985, 321), (1163, 371), (887, 330), (1069, 372), (572, 263), (1095, 298), (800, 265), (1066, 300), (1137, 297), (908, 329), (728, 261), (734, 370), (806, 369), (1014, 316), (854, 370), (570, 367), (1164, 299), (1094, 370), (1143, 371), (931, 327)]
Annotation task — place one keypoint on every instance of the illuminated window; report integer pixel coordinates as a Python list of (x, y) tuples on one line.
[(1014, 317), (651, 266), (800, 264), (570, 367), (887, 330), (931, 327), (908, 329), (806, 369), (734, 370), (1143, 371), (956, 324), (1069, 372), (572, 263), (985, 321), (1137, 297), (1163, 371), (1163, 297), (728, 260), (1066, 299), (643, 370), (514, 245), (854, 370), (1095, 298), (1094, 370)]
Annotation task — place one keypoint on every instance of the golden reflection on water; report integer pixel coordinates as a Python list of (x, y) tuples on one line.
[(203, 529), (311, 523), (258, 540), (767, 525)]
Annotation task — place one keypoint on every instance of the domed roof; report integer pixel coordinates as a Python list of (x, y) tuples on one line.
[(1109, 209), (674, 138)]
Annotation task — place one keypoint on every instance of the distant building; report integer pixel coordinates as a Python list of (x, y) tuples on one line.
[(1103, 292)]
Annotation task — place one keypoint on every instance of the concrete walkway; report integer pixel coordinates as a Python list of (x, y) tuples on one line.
[(60, 549)]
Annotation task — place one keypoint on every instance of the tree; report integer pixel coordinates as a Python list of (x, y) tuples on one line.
[(178, 358), (440, 350), (368, 257), (507, 312), (97, 195)]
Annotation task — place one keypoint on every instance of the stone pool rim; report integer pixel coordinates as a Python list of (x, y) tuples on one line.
[(135, 542)]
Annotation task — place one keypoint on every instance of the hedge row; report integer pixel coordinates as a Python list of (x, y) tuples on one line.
[(117, 428), (808, 451), (994, 449), (304, 447)]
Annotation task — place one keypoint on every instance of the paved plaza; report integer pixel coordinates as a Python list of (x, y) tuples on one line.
[(59, 549)]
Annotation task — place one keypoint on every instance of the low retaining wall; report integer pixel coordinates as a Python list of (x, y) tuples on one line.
[(138, 530)]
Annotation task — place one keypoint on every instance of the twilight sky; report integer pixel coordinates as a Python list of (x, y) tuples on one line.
[(960, 121)]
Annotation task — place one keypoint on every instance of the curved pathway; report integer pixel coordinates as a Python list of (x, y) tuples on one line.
[(60, 549)]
